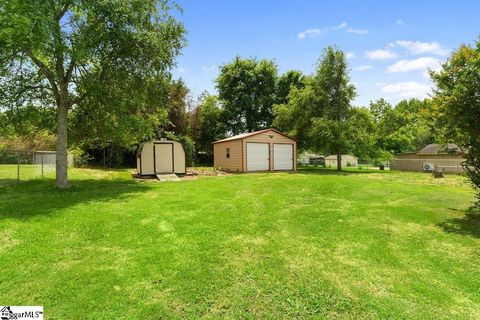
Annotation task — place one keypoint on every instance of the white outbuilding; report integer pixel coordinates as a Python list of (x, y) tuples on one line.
[(348, 160), (159, 157)]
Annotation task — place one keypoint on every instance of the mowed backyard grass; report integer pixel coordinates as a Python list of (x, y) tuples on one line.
[(315, 244)]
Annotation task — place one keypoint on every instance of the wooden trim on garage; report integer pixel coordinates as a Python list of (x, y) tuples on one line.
[(243, 142)]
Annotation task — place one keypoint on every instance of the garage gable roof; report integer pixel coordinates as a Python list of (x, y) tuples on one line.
[(249, 134)]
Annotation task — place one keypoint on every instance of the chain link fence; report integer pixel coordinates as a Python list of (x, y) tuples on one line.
[(18, 165)]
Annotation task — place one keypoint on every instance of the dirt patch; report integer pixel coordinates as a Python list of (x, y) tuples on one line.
[(205, 171), (192, 174)]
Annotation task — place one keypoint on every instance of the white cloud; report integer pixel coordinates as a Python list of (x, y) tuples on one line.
[(357, 31), (350, 55), (209, 68), (380, 54), (310, 33), (423, 63), (400, 22), (316, 32), (410, 89), (418, 47), (363, 68)]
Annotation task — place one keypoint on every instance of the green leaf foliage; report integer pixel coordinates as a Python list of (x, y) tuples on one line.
[(207, 125), (408, 126), (457, 100), (246, 88), (319, 114), (104, 62)]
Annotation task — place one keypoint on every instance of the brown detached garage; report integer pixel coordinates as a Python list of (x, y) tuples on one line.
[(264, 150)]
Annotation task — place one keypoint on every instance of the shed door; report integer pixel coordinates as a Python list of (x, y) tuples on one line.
[(163, 157), (282, 156), (258, 157)]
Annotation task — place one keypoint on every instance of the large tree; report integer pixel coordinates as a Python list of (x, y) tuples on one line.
[(408, 126), (287, 81), (65, 52), (457, 98), (207, 125), (246, 88), (177, 105), (319, 114)]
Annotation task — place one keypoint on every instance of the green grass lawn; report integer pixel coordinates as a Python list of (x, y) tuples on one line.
[(316, 244), (9, 172)]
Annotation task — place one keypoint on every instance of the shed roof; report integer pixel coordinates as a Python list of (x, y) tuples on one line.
[(249, 134), (164, 140)]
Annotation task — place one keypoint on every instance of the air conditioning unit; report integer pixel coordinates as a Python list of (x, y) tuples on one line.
[(428, 166)]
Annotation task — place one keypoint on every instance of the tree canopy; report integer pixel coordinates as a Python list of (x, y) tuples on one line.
[(207, 125), (97, 57), (406, 127), (246, 88), (319, 113), (457, 100), (287, 81)]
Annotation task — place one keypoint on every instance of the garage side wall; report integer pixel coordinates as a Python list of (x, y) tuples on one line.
[(270, 137), (234, 162)]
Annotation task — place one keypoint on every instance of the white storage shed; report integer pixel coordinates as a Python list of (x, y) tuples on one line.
[(158, 157)]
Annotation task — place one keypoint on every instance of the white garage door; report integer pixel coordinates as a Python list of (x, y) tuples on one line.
[(257, 157), (282, 156)]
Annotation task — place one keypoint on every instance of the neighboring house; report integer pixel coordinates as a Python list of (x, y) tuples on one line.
[(431, 157), (311, 158), (348, 160), (264, 150)]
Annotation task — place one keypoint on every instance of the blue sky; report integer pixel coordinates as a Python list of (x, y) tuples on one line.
[(389, 44)]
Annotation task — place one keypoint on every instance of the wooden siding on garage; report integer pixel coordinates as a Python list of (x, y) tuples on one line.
[(269, 137), (234, 163)]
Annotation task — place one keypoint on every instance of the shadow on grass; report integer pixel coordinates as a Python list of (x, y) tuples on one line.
[(469, 225), (333, 171), (28, 199), (8, 181)]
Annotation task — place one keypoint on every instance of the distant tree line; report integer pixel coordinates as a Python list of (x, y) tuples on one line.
[(104, 81), (316, 109)]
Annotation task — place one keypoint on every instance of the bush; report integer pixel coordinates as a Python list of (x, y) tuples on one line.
[(80, 158), (188, 146)]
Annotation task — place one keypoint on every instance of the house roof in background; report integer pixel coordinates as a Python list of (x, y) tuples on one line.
[(439, 148)]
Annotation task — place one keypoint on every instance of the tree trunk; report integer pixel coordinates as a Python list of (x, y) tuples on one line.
[(339, 161), (62, 145)]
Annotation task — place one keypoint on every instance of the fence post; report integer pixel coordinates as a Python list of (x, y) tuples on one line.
[(18, 165), (41, 157)]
